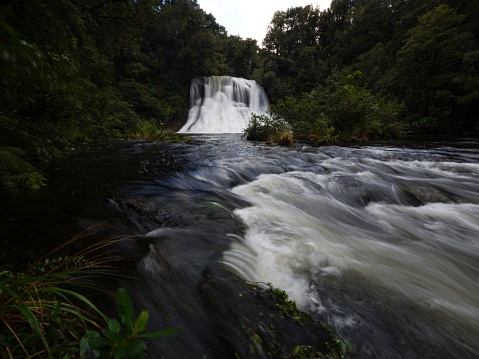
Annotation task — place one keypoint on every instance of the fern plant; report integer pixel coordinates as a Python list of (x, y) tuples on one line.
[(17, 172)]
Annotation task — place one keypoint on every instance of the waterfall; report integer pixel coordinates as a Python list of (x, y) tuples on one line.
[(223, 104)]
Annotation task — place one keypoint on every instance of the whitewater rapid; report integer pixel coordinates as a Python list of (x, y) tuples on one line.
[(400, 233)]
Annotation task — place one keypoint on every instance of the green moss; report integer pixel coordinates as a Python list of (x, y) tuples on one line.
[(288, 307), (335, 347)]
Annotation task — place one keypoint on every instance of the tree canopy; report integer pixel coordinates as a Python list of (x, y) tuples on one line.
[(419, 55)]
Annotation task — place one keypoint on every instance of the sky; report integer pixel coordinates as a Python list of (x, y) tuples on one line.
[(250, 18)]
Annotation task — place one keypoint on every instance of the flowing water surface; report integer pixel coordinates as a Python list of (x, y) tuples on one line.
[(380, 241)]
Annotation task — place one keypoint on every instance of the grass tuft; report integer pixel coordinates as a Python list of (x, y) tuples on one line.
[(40, 315)]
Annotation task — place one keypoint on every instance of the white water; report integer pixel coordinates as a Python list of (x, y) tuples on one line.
[(223, 104), (408, 230)]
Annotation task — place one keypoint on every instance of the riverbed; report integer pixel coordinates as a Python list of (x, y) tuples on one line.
[(379, 241)]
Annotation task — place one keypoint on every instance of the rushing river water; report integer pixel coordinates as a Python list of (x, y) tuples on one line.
[(380, 241)]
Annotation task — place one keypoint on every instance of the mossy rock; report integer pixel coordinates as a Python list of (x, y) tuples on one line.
[(267, 323)]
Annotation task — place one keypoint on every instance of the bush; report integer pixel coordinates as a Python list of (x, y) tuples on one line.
[(342, 111), (268, 128), (317, 132), (306, 118), (362, 116)]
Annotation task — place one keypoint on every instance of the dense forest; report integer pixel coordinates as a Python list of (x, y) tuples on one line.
[(75, 71)]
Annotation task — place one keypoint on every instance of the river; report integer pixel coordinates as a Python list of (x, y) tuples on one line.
[(379, 241)]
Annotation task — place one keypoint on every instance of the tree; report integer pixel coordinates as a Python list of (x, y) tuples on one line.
[(292, 52), (435, 51), (292, 30), (241, 56)]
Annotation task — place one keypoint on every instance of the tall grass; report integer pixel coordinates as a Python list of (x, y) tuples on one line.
[(41, 316)]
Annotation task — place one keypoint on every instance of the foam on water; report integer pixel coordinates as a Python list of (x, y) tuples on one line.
[(408, 227)]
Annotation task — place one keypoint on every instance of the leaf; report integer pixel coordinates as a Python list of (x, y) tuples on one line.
[(27, 313), (79, 297), (112, 336), (136, 346), (133, 349), (140, 323), (125, 307), (114, 326), (90, 345)]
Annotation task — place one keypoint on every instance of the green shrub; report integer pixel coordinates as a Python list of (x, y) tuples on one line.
[(342, 111), (268, 128), (318, 132), (306, 118)]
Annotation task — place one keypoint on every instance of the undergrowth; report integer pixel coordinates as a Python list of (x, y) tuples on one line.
[(44, 315)]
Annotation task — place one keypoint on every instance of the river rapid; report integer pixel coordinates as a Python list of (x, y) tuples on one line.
[(379, 241)]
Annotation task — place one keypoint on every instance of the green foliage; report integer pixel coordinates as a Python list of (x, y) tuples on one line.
[(342, 111), (18, 149), (293, 29), (416, 58), (153, 133), (15, 171), (318, 132), (37, 314), (241, 56), (306, 117), (28, 180), (267, 128), (430, 60), (41, 317), (121, 340), (362, 116)]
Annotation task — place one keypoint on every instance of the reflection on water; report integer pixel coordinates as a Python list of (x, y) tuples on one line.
[(381, 241)]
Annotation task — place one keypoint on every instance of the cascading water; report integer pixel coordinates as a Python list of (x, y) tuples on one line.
[(223, 104), (380, 242)]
